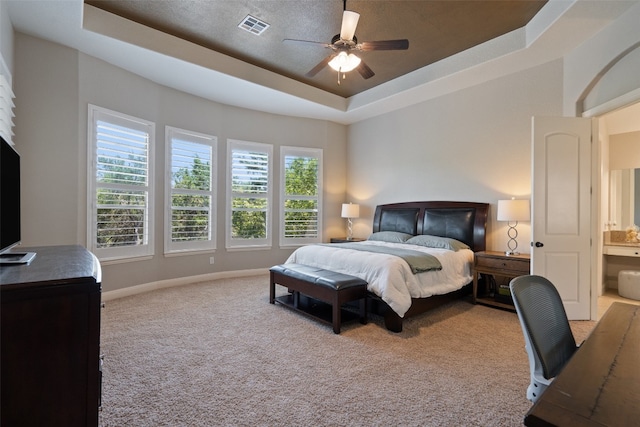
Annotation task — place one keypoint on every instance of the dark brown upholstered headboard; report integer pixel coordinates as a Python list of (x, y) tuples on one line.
[(463, 221)]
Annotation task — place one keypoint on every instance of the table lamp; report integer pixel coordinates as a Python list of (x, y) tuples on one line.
[(350, 211), (513, 211)]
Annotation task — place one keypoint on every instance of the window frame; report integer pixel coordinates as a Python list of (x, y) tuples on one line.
[(248, 244), (209, 245), (300, 152), (145, 250)]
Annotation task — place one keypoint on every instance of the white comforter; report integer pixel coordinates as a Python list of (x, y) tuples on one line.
[(389, 276)]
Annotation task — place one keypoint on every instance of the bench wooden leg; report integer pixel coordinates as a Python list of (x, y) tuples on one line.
[(337, 311), (296, 299), (272, 290), (336, 319)]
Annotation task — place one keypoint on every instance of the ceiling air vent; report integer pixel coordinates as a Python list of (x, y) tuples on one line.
[(253, 25)]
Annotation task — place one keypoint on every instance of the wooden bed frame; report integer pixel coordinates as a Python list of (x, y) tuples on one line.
[(463, 221)]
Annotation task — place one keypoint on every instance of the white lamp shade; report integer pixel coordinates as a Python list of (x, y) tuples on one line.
[(514, 210), (350, 210)]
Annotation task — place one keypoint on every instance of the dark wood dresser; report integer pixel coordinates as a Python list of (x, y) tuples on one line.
[(50, 339)]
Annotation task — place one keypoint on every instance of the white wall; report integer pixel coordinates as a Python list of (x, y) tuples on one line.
[(54, 84), (472, 145), (6, 39), (47, 137), (585, 66), (624, 150)]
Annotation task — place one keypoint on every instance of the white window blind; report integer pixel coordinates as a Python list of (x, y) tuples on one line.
[(121, 191), (300, 196), (191, 167), (6, 104), (249, 194)]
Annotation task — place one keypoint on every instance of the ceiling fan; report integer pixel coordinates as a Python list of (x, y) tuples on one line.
[(343, 59)]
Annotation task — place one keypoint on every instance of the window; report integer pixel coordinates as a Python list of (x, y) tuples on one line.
[(249, 194), (6, 105), (189, 221), (300, 196), (120, 186)]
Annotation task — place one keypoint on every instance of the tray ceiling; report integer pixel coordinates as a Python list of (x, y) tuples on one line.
[(435, 30)]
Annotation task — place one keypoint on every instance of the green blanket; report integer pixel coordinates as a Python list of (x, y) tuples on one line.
[(419, 262)]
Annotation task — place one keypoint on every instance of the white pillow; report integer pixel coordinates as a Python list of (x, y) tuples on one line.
[(390, 236), (437, 242)]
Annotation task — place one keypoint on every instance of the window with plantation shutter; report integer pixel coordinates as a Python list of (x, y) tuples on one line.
[(6, 104), (190, 224), (121, 190), (300, 196), (249, 195)]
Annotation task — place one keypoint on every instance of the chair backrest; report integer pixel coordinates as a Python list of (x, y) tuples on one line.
[(544, 322)]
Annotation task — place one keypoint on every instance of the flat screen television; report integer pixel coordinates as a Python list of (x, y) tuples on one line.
[(10, 226)]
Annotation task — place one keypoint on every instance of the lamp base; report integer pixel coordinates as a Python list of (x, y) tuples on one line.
[(512, 244), (349, 229)]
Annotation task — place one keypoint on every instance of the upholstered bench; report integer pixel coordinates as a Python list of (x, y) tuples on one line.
[(324, 285)]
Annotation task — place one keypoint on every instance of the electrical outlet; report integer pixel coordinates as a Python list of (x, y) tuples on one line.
[(211, 260)]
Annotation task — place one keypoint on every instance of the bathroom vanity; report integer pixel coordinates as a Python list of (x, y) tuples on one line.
[(619, 255)]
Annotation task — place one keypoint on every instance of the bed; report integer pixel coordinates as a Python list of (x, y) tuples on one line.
[(449, 231)]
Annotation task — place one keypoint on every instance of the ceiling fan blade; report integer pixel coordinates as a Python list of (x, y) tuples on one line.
[(349, 24), (402, 44), (306, 41), (315, 70), (365, 71)]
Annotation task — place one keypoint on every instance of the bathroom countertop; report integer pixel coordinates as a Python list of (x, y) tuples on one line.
[(618, 238)]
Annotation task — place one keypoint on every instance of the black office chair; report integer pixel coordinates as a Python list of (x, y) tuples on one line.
[(548, 338)]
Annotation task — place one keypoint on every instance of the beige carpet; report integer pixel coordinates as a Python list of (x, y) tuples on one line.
[(218, 354)]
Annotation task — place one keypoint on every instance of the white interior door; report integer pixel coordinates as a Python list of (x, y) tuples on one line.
[(561, 206)]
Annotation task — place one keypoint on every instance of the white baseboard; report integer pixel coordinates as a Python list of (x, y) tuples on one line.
[(180, 281)]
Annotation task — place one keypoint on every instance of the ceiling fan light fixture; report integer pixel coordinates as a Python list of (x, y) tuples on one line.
[(344, 62)]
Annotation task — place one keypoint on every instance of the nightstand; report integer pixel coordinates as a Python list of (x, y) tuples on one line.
[(494, 265), (344, 240)]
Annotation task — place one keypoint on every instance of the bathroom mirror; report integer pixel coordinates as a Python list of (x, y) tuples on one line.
[(624, 198)]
